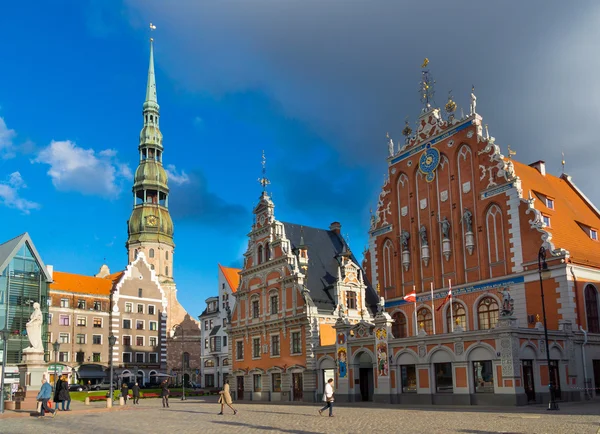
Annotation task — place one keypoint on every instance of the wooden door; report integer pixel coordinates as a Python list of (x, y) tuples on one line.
[(297, 386), (240, 388), (528, 380)]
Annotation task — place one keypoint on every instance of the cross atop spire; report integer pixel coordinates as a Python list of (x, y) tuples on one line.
[(151, 101), (264, 181), (426, 87)]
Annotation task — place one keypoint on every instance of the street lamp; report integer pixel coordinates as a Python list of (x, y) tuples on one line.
[(4, 335), (178, 326), (545, 273), (112, 340), (56, 348)]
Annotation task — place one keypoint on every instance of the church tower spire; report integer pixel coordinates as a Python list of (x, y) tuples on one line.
[(150, 228)]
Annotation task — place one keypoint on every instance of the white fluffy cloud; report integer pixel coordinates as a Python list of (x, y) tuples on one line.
[(73, 168), (175, 177), (6, 140), (9, 194)]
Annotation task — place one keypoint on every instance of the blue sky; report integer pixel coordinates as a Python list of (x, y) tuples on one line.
[(315, 84)]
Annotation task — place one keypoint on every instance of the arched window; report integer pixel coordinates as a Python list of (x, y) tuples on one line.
[(225, 362), (186, 360), (167, 255), (387, 264), (487, 313), (151, 118), (591, 309), (259, 253), (166, 271), (267, 252), (152, 266), (135, 253), (425, 319), (460, 317), (209, 363), (151, 253), (399, 325)]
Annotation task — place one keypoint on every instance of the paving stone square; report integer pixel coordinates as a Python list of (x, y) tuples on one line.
[(196, 415)]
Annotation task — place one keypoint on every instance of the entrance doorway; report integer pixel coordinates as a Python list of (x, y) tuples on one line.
[(528, 381), (327, 374), (596, 364), (240, 387), (297, 386), (554, 374), (365, 377)]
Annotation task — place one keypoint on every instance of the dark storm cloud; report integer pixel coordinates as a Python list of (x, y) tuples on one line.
[(350, 70), (194, 202)]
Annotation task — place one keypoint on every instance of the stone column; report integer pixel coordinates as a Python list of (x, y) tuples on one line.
[(508, 377), (342, 386)]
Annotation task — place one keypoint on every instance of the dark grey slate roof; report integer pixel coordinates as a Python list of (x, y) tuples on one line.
[(215, 330), (324, 246)]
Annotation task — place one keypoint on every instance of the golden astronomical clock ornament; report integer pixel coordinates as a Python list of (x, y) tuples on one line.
[(428, 162)]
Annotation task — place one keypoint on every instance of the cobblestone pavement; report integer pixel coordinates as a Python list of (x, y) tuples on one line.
[(198, 415)]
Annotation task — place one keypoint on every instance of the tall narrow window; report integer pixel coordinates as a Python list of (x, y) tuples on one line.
[(425, 320), (151, 254), (487, 312), (351, 299), (459, 316), (140, 292), (399, 325), (387, 264), (166, 271), (274, 304), (267, 252), (259, 253), (591, 309)]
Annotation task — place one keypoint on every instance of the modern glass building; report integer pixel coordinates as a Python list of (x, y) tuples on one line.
[(24, 280)]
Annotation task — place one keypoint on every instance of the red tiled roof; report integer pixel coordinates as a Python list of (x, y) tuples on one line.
[(81, 284), (232, 275), (571, 210)]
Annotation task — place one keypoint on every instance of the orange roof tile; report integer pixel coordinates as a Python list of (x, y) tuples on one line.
[(570, 207), (114, 277), (232, 275), (81, 284)]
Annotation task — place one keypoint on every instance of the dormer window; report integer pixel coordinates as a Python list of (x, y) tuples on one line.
[(594, 234), (351, 299), (546, 220), (550, 203)]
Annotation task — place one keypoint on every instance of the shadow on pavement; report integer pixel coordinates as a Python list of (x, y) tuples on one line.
[(264, 428)]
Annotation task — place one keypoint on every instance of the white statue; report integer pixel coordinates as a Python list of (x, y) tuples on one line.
[(34, 330), (473, 100), (390, 145)]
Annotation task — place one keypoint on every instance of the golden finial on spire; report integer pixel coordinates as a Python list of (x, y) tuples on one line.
[(563, 162), (152, 27), (511, 152), (425, 63), (264, 181)]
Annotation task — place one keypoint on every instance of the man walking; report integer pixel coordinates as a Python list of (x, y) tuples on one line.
[(328, 398), (44, 395), (165, 394), (135, 390), (124, 390)]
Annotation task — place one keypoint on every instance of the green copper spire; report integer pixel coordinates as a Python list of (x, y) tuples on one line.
[(151, 101), (150, 225)]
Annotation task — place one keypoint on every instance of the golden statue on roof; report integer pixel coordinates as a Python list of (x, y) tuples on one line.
[(425, 63)]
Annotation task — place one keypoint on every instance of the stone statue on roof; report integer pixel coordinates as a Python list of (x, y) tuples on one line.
[(473, 100), (467, 220), (445, 227), (423, 235), (404, 237), (390, 145)]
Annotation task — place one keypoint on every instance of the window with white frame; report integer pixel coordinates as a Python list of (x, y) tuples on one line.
[(153, 341), (550, 203), (140, 357), (96, 357), (98, 323), (64, 302), (126, 323), (139, 341), (64, 320), (296, 342), (274, 304), (80, 338), (139, 324), (256, 348), (126, 341), (97, 305), (255, 307), (153, 325), (97, 339), (274, 345), (81, 321), (151, 309), (153, 358), (80, 304), (239, 350), (63, 356), (546, 220), (126, 357), (140, 308), (128, 307), (63, 338), (594, 234)]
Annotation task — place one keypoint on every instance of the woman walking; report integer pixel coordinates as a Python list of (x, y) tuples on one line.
[(328, 398), (225, 398), (63, 395), (164, 393)]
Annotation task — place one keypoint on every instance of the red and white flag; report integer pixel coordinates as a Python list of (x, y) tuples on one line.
[(446, 300), (411, 298)]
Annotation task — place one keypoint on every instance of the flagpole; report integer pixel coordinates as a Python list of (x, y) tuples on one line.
[(451, 301), (416, 325), (432, 308)]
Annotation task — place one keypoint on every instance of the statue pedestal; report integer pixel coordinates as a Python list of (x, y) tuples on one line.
[(31, 371)]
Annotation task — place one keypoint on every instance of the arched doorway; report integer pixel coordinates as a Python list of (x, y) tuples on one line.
[(364, 362), (326, 371)]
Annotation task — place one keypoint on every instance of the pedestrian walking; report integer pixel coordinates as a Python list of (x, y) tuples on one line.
[(124, 391), (55, 396), (135, 391), (44, 395), (88, 387), (63, 395), (164, 393), (328, 398), (225, 398)]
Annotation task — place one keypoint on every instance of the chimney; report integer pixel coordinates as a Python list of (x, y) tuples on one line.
[(335, 227), (540, 166), (50, 269)]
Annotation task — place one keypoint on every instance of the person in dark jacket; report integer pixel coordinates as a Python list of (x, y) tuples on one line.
[(55, 397), (124, 390), (136, 393), (165, 394), (63, 395)]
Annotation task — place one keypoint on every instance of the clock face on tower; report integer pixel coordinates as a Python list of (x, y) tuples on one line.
[(151, 220), (429, 161)]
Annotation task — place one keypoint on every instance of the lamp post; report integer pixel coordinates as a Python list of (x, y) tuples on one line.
[(56, 348), (4, 335), (112, 340), (545, 273), (178, 326)]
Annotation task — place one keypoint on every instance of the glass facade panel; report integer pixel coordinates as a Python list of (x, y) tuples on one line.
[(22, 283)]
